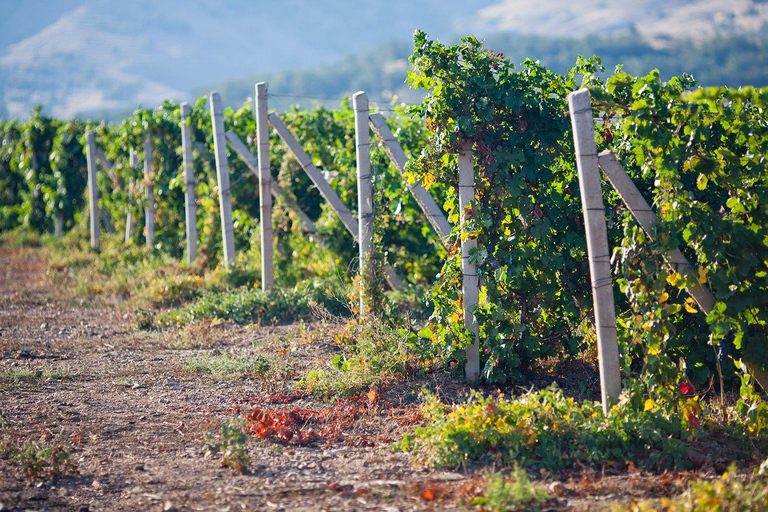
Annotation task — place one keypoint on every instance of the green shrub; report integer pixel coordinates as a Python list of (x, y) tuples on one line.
[(372, 354), (248, 305), (38, 459), (230, 444), (549, 430), (228, 365), (511, 494)]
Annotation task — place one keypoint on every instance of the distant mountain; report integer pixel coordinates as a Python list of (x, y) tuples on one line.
[(733, 61), (93, 56), (381, 72), (101, 54), (657, 21)]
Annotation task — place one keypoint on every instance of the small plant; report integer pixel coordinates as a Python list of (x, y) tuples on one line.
[(549, 430), (726, 494), (228, 365), (372, 354), (230, 445), (38, 459), (143, 319), (19, 374), (509, 494), (191, 336), (249, 305)]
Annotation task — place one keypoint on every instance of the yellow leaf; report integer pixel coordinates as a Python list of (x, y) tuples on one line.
[(483, 295), (689, 305), (664, 297), (703, 275), (649, 404), (674, 278), (428, 180)]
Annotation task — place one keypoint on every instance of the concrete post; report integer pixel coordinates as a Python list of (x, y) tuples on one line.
[(222, 173)]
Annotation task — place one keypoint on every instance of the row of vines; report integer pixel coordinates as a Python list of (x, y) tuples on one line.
[(36, 189), (697, 154)]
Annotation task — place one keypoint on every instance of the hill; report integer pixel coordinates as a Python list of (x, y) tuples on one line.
[(733, 61), (93, 57), (100, 54), (659, 22)]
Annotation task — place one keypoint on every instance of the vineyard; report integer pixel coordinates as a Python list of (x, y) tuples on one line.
[(579, 238)]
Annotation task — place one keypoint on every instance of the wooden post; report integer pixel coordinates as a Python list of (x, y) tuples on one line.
[(128, 226), (425, 200), (189, 183), (93, 189), (325, 189), (597, 246), (149, 210), (265, 188), (222, 173), (469, 288), (364, 197), (133, 161)]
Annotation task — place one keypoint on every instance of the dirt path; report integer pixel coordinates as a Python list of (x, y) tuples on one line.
[(132, 416), (76, 373)]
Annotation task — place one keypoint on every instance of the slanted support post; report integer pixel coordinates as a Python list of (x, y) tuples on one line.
[(420, 194), (597, 246), (93, 189), (149, 190), (222, 173), (189, 183), (326, 190), (469, 288), (277, 192), (364, 199), (265, 188)]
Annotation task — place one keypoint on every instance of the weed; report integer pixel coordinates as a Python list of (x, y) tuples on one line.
[(248, 305), (143, 319), (372, 354), (509, 494), (548, 430), (727, 493), (227, 365), (38, 459), (19, 374), (175, 289), (23, 237), (191, 336), (230, 444)]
